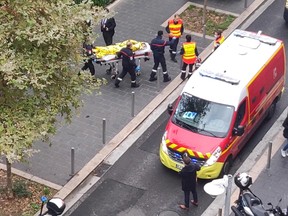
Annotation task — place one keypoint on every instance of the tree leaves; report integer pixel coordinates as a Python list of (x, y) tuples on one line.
[(40, 44)]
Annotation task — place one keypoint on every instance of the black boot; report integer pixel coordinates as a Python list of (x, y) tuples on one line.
[(173, 58), (117, 81), (183, 76), (166, 77), (134, 85), (189, 75), (153, 76)]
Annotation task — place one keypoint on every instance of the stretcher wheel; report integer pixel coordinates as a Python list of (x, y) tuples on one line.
[(108, 71)]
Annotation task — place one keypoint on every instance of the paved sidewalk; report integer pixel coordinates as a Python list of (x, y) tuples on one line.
[(136, 19)]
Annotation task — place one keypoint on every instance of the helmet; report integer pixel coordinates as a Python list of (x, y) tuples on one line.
[(243, 180)]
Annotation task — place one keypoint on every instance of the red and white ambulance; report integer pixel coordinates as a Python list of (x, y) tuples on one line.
[(224, 102)]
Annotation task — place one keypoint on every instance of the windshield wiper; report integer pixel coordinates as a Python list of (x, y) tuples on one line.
[(209, 132), (185, 125)]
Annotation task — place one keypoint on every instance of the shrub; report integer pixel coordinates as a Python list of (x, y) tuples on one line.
[(101, 3), (20, 189)]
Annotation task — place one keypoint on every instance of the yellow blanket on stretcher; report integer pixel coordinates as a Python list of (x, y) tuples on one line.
[(101, 51)]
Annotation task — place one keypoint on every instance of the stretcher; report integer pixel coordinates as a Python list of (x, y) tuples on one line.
[(107, 55)]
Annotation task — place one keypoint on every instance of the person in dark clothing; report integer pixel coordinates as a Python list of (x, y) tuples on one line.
[(108, 29), (189, 54), (88, 61), (158, 48), (175, 29), (107, 26), (284, 150), (189, 180), (128, 64)]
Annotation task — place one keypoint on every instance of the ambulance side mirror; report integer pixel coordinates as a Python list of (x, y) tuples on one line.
[(170, 109), (238, 131)]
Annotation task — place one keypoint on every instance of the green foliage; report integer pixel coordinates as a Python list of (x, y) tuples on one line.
[(40, 43), (212, 26), (101, 3), (20, 189), (35, 206), (46, 191)]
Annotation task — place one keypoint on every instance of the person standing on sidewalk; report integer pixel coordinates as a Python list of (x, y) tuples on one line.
[(189, 181), (128, 64), (107, 26), (108, 29), (158, 49), (219, 39), (175, 29), (284, 150), (189, 54)]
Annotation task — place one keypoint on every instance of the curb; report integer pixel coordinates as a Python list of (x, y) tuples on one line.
[(254, 164), (32, 178)]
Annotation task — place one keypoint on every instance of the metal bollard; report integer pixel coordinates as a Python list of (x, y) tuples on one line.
[(204, 18), (104, 131), (228, 196), (133, 104), (245, 4), (219, 212), (72, 161), (158, 79), (269, 154)]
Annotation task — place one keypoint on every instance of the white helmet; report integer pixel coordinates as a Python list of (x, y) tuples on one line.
[(243, 180)]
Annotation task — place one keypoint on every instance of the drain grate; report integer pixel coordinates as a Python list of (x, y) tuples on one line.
[(101, 169)]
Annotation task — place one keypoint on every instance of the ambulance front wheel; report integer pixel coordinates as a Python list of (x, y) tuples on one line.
[(226, 167)]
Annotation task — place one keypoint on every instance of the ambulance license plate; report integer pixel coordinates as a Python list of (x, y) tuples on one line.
[(179, 166)]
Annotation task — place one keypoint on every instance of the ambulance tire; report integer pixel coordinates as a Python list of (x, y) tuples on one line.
[(226, 167), (271, 110)]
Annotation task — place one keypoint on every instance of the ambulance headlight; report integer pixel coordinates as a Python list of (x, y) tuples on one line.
[(214, 157), (163, 143)]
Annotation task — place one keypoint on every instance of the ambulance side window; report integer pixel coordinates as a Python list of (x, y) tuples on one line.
[(240, 113)]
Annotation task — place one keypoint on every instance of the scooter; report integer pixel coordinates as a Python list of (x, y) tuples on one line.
[(248, 204), (55, 206)]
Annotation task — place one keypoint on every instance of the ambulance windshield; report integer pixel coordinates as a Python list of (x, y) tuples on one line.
[(202, 116)]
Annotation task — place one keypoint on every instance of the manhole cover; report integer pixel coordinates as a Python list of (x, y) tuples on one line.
[(168, 213)]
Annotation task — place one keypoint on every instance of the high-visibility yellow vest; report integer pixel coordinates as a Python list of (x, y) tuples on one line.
[(219, 41), (189, 56), (175, 29)]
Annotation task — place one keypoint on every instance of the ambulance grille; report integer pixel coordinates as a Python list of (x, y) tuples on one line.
[(176, 156)]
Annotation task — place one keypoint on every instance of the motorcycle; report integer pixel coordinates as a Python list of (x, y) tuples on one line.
[(248, 204), (55, 206)]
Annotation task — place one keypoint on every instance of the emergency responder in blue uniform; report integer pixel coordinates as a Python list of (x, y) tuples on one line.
[(87, 52), (158, 48), (128, 64)]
